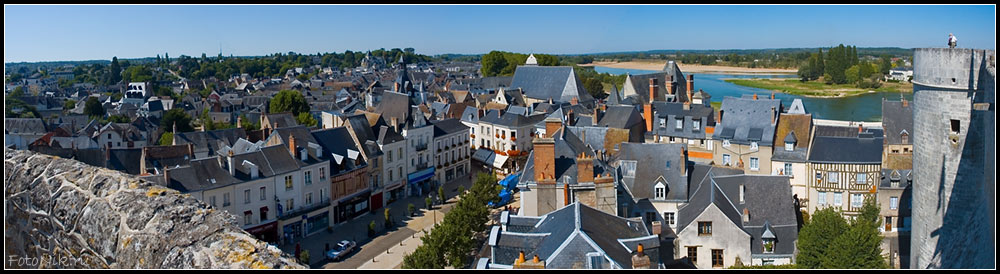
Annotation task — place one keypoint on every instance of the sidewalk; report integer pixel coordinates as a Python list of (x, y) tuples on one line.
[(393, 257)]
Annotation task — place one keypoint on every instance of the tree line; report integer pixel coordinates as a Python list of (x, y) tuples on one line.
[(841, 65)]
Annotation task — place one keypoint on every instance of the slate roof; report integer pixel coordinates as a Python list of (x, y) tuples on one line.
[(166, 156), (652, 164), (624, 117), (640, 83), (302, 139), (510, 119), (211, 141), (448, 126), (543, 82), (199, 175), (704, 193), (843, 148), (337, 141), (394, 105), (125, 159), (24, 126), (742, 116), (769, 201), (284, 119), (897, 119), (563, 237), (567, 147), (672, 111)]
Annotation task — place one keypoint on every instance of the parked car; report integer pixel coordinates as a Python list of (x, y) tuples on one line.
[(341, 250)]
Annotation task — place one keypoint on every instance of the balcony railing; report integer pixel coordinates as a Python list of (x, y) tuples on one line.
[(302, 209), (421, 147)]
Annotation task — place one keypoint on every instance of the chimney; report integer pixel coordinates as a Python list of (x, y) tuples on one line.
[(683, 163), (191, 150), (232, 166), (657, 227), (574, 101), (535, 263), (647, 114), (861, 128), (552, 124), (166, 176), (652, 89), (746, 215), (239, 122), (565, 194), (640, 260), (772, 95), (291, 145), (584, 168), (173, 135), (596, 113), (755, 96), (904, 102), (395, 87), (690, 86), (774, 115), (544, 150)]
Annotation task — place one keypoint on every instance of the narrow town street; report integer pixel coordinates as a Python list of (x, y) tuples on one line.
[(406, 228)]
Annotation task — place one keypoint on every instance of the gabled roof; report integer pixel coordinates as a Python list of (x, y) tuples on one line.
[(212, 140), (620, 117), (448, 126), (338, 144), (655, 163), (202, 174), (543, 82), (837, 145), (563, 237), (769, 202), (24, 126), (394, 105), (640, 84), (510, 119), (567, 147), (741, 117), (673, 110), (897, 119)]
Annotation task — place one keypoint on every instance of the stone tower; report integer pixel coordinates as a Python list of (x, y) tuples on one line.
[(953, 160)]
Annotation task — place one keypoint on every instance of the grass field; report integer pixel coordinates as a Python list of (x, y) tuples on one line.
[(816, 88)]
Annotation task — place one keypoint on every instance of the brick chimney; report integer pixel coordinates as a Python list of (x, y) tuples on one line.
[(755, 96), (534, 263), (544, 150), (772, 95), (640, 260), (191, 150), (291, 146), (683, 163), (552, 124), (232, 165), (584, 168), (565, 194), (861, 128), (652, 89), (173, 135), (774, 115), (596, 113), (239, 122), (657, 227), (166, 175), (690, 86), (904, 102), (574, 101)]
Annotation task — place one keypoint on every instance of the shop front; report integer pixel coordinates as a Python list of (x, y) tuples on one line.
[(376, 202), (292, 229), (317, 222), (395, 193), (266, 232), (350, 208), (419, 181)]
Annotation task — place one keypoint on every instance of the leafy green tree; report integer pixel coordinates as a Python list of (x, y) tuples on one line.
[(853, 74), (69, 104), (24, 110), (118, 118), (176, 116), (289, 100), (429, 203), (306, 119), (441, 196), (166, 139), (93, 108), (816, 236), (18, 92), (115, 74), (594, 87), (493, 63), (857, 248)]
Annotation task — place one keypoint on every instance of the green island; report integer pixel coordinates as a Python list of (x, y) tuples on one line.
[(818, 88)]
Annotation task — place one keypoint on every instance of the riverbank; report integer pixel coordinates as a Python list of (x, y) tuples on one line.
[(817, 89), (688, 68)]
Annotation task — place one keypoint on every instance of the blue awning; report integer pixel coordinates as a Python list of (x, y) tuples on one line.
[(420, 175)]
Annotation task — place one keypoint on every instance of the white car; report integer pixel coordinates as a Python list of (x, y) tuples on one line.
[(340, 250)]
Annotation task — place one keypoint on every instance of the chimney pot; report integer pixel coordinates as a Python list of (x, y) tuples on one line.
[(755, 96)]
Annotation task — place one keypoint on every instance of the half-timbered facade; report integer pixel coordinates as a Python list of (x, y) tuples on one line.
[(845, 166)]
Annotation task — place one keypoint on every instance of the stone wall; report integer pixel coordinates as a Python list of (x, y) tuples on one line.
[(954, 178), (62, 213)]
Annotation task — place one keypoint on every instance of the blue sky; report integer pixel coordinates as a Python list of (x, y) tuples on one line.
[(87, 32)]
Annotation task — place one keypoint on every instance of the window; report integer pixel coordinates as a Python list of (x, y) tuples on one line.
[(669, 217), (390, 175), (725, 143), (862, 179), (696, 124), (308, 177), (754, 163), (819, 177), (309, 198), (693, 254), (905, 138), (788, 169), (389, 155), (288, 182), (821, 198), (725, 159), (768, 245), (246, 196), (660, 192), (225, 199), (663, 123), (322, 195), (789, 147), (742, 191), (716, 257), (833, 176), (246, 217), (595, 260), (322, 174), (400, 172), (837, 198), (263, 193), (704, 228), (212, 201), (263, 214), (628, 168), (680, 123), (893, 203), (856, 200), (753, 146), (289, 204), (955, 126)]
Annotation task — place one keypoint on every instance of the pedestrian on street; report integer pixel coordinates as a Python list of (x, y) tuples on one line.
[(952, 41)]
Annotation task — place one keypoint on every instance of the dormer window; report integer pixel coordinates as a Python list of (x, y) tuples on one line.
[(904, 138), (753, 146), (725, 143), (660, 191), (680, 123), (696, 124), (628, 168), (789, 146)]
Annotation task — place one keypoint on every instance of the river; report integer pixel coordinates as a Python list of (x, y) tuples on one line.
[(865, 107)]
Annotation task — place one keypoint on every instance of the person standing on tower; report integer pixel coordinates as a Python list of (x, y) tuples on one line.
[(952, 41)]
